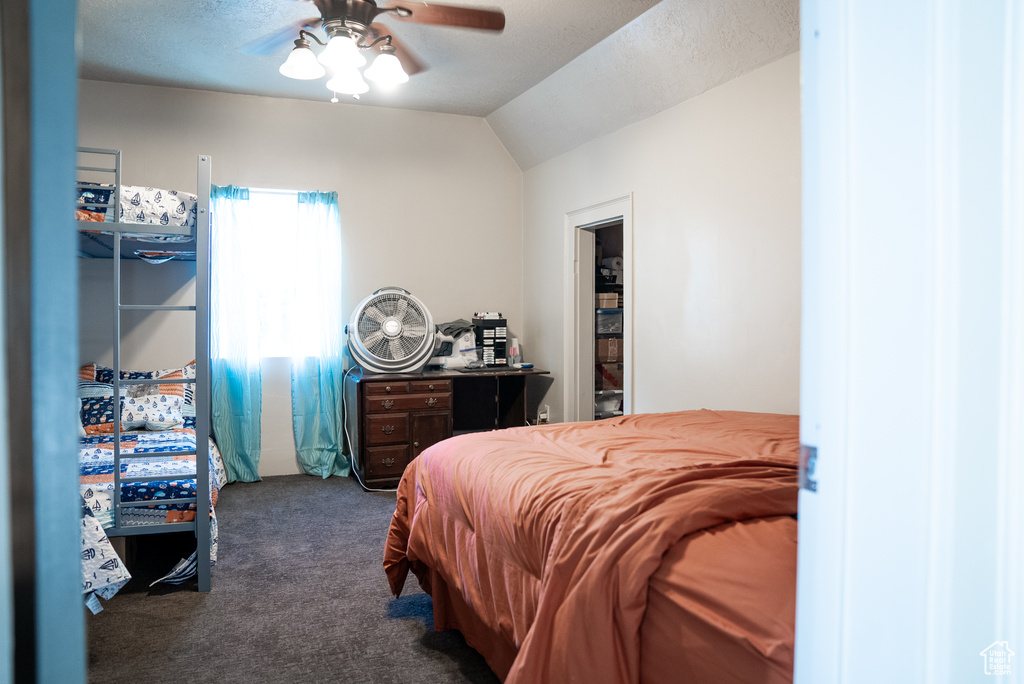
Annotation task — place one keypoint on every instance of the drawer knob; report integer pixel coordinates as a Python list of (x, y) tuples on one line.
[(387, 389), (416, 444), (430, 387), (388, 429), (431, 401), (388, 462), (387, 403)]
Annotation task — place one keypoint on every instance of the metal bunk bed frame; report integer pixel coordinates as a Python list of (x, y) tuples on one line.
[(201, 392)]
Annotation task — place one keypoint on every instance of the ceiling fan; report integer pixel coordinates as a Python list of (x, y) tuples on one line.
[(350, 27)]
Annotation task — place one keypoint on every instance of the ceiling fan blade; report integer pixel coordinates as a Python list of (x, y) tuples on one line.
[(276, 41), (409, 61), (447, 15)]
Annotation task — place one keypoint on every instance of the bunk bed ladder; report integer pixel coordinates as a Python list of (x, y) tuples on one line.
[(202, 389)]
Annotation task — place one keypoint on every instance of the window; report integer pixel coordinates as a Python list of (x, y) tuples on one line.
[(275, 269)]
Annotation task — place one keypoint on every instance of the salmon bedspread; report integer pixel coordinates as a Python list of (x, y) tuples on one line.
[(647, 548)]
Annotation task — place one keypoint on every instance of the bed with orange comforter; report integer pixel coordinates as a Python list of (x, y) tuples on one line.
[(648, 548)]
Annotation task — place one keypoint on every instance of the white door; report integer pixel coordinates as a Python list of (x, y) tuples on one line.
[(911, 557), (578, 334), (584, 287)]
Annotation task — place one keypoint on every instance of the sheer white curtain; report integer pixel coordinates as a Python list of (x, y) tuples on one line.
[(234, 334), (317, 342)]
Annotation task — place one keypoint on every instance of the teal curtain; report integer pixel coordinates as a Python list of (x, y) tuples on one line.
[(234, 335), (317, 365)]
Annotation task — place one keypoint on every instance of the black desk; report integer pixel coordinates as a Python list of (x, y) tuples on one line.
[(488, 400)]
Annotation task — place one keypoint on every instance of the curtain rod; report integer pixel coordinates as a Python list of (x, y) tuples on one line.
[(274, 191)]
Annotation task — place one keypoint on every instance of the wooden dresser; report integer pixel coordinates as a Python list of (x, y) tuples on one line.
[(397, 418), (391, 419)]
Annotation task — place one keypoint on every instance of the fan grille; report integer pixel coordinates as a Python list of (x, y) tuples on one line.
[(392, 327)]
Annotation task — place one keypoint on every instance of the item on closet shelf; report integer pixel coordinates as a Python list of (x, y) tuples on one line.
[(609, 321), (608, 350), (607, 401), (608, 376), (606, 300), (612, 263)]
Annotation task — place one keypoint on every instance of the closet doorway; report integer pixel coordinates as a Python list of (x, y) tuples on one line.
[(598, 358)]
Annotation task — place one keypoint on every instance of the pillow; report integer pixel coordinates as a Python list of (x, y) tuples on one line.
[(150, 412), (97, 406), (98, 373), (187, 371), (153, 412)]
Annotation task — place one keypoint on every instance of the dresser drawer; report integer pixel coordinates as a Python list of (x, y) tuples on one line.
[(431, 386), (386, 461), (387, 429), (408, 402), (373, 389)]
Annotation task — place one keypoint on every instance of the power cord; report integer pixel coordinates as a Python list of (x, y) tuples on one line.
[(353, 456)]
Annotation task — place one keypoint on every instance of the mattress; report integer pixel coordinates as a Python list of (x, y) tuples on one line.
[(173, 475), (650, 548)]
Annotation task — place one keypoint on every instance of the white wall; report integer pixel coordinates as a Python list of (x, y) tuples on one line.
[(716, 226), (429, 202)]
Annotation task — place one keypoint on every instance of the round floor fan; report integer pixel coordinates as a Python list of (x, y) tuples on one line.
[(391, 332)]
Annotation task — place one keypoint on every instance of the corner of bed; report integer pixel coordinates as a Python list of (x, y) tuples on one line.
[(646, 548)]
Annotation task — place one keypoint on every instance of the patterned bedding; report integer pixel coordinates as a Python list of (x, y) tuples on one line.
[(173, 477), (103, 573), (151, 206)]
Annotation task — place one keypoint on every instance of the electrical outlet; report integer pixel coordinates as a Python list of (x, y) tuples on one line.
[(543, 414)]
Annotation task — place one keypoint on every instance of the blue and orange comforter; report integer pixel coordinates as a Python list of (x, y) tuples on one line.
[(173, 475)]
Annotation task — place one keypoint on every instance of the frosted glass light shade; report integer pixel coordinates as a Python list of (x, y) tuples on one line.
[(348, 82), (302, 64), (386, 70), (341, 52)]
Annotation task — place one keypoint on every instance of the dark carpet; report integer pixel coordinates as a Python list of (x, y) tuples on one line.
[(299, 595)]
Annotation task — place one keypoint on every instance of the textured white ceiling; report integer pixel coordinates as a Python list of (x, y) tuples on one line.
[(195, 45), (678, 49)]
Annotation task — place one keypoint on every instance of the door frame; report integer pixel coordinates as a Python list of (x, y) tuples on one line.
[(591, 217), (43, 626)]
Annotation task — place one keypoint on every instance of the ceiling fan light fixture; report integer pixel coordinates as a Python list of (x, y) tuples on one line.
[(301, 63), (342, 52), (386, 70), (348, 82)]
